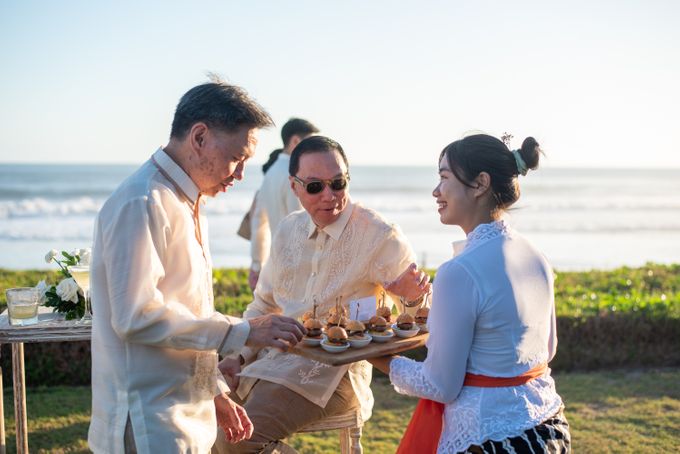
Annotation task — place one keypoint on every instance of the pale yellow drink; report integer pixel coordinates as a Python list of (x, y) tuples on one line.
[(81, 274), (23, 311)]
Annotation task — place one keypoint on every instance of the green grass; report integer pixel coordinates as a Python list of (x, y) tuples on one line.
[(623, 412), (652, 290), (609, 412), (617, 412), (58, 419)]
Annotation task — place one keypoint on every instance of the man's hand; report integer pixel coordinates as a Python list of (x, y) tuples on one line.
[(275, 331), (230, 367), (253, 277), (411, 284), (232, 419)]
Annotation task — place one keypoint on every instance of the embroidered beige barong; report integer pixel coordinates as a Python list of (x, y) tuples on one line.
[(350, 258)]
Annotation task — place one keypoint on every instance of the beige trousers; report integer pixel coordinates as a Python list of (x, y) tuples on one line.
[(277, 413)]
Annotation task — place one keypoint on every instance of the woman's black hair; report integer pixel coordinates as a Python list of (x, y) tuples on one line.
[(272, 159), (470, 156)]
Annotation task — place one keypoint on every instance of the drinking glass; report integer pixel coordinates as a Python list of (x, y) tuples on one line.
[(22, 306), (81, 274)]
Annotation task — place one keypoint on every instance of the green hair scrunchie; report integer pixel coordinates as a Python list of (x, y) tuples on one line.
[(521, 165)]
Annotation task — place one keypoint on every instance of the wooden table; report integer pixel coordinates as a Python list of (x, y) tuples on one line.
[(48, 329), (351, 355)]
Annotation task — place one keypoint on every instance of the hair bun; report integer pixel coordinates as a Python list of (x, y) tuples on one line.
[(530, 152)]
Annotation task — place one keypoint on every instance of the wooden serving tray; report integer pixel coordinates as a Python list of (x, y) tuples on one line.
[(352, 355)]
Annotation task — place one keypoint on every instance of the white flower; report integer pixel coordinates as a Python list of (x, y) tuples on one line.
[(67, 290), (51, 255), (85, 256), (42, 288), (76, 252)]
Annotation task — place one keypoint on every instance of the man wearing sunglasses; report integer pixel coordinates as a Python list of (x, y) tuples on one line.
[(334, 249)]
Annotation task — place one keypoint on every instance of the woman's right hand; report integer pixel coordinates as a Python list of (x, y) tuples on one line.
[(382, 363), (411, 284)]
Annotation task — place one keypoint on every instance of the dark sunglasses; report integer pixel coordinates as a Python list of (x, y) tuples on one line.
[(316, 186)]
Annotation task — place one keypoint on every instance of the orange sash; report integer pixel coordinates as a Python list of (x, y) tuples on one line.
[(483, 381), (425, 428)]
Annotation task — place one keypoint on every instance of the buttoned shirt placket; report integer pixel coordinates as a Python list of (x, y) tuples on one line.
[(196, 214), (311, 291), (194, 207)]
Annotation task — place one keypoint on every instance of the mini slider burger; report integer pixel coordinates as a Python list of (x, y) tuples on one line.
[(337, 336), (377, 324), (336, 320), (385, 312), (312, 324), (313, 327), (421, 315), (337, 315), (382, 310), (307, 315), (405, 322), (355, 329)]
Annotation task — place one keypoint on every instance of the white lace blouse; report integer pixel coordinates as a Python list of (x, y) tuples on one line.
[(492, 314)]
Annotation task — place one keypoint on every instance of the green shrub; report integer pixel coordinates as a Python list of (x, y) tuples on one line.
[(51, 363), (231, 290), (616, 341)]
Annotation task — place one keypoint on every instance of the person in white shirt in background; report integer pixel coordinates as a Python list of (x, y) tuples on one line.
[(333, 249), (155, 334), (485, 385), (275, 200)]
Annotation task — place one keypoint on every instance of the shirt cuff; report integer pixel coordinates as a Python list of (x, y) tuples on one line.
[(221, 384), (249, 354), (399, 373), (235, 339)]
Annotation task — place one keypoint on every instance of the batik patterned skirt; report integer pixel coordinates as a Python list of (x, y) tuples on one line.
[(551, 436)]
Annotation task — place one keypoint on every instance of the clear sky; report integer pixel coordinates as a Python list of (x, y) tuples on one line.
[(596, 82)]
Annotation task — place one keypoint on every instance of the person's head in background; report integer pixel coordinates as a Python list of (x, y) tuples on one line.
[(478, 179), (292, 133), (319, 177), (214, 133), (295, 131)]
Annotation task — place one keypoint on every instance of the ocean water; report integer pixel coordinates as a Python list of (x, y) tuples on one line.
[(580, 218)]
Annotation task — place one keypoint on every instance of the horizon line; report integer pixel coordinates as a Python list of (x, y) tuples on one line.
[(568, 166)]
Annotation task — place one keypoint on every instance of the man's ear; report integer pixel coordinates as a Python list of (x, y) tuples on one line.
[(482, 184), (293, 186), (294, 140), (197, 136)]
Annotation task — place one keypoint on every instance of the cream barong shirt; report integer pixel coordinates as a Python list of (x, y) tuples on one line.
[(351, 258), (155, 333)]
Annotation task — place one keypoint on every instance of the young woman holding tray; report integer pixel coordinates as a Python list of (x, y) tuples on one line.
[(485, 386)]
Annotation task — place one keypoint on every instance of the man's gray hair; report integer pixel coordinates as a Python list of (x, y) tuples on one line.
[(218, 105)]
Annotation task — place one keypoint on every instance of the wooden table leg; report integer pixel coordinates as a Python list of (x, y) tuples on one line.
[(3, 448), (20, 397)]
